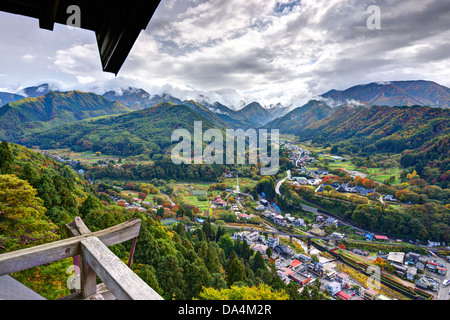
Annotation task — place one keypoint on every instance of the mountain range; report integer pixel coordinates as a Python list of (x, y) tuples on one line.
[(395, 93), (53, 109), (38, 109)]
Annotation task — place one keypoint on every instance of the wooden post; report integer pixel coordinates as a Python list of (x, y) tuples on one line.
[(121, 280), (87, 274)]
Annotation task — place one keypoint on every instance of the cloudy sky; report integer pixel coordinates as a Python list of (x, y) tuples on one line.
[(239, 51)]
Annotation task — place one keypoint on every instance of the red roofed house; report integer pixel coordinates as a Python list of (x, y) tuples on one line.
[(305, 281), (246, 216), (342, 295), (294, 264), (432, 265), (382, 238), (220, 202), (442, 270), (287, 271)]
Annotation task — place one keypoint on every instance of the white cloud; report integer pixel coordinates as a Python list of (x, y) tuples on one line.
[(238, 51), (28, 58)]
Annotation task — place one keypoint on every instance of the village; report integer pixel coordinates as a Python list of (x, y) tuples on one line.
[(423, 272)]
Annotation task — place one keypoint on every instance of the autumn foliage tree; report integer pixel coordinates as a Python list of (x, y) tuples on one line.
[(260, 292), (22, 215)]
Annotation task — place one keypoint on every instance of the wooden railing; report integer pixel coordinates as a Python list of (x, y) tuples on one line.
[(92, 255)]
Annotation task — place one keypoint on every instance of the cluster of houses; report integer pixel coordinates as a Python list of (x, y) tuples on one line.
[(241, 215), (299, 156), (131, 206), (411, 264), (346, 188), (284, 221)]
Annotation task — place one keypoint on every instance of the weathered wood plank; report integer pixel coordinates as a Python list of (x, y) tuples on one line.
[(36, 256), (77, 227), (121, 280), (87, 274)]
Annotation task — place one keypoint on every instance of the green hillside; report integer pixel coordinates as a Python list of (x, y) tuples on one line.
[(55, 108), (300, 118), (146, 131)]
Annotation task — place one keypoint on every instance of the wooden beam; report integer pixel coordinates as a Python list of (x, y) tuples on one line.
[(36, 256), (47, 14), (121, 280), (120, 29)]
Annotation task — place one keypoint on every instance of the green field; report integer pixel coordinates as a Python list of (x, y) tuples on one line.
[(89, 156), (243, 183), (193, 200), (377, 174)]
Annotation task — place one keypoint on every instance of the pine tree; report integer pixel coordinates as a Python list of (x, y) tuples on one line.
[(6, 158), (170, 277), (235, 271), (258, 262)]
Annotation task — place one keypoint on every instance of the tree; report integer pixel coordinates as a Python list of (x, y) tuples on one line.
[(235, 271), (30, 174), (258, 262), (170, 277), (226, 244), (22, 215), (47, 191), (269, 252), (196, 276), (90, 204), (260, 292), (147, 273), (6, 158), (142, 195)]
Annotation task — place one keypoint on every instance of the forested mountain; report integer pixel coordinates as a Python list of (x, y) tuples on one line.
[(253, 114), (146, 131), (55, 108), (29, 92), (382, 129), (7, 97), (419, 134), (302, 117), (395, 93)]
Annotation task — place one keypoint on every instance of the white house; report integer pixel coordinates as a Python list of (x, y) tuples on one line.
[(273, 242), (433, 243), (410, 273), (333, 287)]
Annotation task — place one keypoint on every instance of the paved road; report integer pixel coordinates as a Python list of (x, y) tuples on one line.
[(168, 198), (277, 188)]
